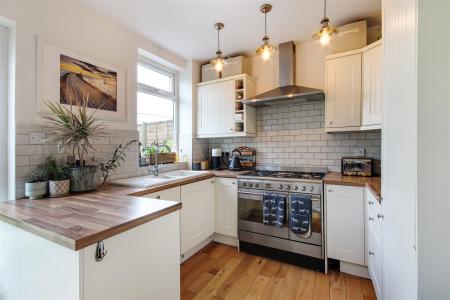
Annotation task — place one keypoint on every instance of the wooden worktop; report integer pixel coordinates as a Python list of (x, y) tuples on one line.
[(373, 182), (228, 173), (79, 220)]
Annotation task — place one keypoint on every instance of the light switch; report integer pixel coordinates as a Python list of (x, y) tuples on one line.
[(37, 138), (359, 152)]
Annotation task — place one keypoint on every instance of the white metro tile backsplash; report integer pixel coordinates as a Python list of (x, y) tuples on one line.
[(295, 136), (29, 156)]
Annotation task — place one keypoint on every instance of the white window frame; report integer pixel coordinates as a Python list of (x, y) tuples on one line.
[(144, 88)]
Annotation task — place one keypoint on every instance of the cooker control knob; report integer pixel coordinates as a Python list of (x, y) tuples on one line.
[(256, 185), (288, 187), (311, 189), (249, 185), (303, 188), (244, 184), (295, 188), (268, 186), (280, 187)]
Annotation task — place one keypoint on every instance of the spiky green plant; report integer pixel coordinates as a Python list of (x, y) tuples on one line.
[(117, 157), (74, 127)]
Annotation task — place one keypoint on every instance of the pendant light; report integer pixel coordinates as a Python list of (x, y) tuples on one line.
[(326, 31), (218, 62), (265, 50)]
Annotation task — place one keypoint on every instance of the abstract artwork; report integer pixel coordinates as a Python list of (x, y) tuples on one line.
[(81, 81)]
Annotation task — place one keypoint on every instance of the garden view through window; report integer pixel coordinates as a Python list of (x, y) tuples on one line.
[(156, 100)]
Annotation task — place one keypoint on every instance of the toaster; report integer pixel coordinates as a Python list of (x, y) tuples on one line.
[(357, 166)]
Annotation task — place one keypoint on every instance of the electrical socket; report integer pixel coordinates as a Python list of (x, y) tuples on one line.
[(359, 152), (37, 138)]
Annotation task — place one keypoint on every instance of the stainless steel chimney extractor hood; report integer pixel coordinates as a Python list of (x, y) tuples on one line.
[(288, 93)]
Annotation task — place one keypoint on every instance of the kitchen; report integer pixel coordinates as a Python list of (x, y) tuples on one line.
[(299, 121)]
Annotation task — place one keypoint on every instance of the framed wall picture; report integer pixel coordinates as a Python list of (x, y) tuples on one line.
[(69, 79)]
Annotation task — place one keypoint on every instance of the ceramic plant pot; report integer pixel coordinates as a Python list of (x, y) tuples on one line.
[(36, 190), (82, 179), (59, 188)]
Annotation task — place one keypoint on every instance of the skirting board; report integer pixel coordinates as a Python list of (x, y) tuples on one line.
[(225, 239), (197, 248), (353, 269)]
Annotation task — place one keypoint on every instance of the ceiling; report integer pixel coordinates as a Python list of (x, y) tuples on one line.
[(186, 27)]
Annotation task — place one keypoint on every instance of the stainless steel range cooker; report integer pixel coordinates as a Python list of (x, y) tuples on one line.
[(255, 235)]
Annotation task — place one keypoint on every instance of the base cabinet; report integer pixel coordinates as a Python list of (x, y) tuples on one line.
[(345, 223), (226, 206), (197, 214), (374, 243)]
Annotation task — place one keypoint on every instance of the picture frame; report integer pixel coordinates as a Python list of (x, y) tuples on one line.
[(50, 59)]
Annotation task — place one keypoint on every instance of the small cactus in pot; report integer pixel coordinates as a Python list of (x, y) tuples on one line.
[(59, 182), (36, 186)]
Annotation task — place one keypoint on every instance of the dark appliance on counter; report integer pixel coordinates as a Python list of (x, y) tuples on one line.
[(299, 237), (357, 166), (235, 160), (216, 159)]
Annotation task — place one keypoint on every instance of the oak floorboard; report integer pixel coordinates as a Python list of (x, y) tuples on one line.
[(222, 272)]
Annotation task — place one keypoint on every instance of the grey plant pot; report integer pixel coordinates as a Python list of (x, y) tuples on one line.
[(58, 188), (36, 190), (82, 179)]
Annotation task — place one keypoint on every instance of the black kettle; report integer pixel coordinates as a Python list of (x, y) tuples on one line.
[(235, 161)]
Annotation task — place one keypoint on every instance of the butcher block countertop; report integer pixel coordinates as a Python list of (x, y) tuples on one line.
[(228, 173), (79, 220), (373, 183)]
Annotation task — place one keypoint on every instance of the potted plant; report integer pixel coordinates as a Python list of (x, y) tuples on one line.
[(58, 178), (36, 184), (118, 156), (76, 129)]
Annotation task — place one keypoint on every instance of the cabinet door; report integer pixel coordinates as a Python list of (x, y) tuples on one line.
[(215, 108), (226, 206), (141, 263), (345, 223), (197, 213), (372, 86), (172, 194), (343, 91)]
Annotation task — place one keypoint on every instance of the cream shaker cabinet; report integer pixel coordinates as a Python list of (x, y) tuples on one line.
[(197, 214), (345, 211), (343, 91), (354, 89), (220, 111), (226, 206), (372, 97)]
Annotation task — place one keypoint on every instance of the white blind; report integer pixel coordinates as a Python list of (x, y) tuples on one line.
[(3, 113)]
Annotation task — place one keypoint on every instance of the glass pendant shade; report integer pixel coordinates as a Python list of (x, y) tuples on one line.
[(266, 50), (326, 31)]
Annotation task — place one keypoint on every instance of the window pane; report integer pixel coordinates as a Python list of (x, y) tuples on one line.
[(155, 79), (155, 116)]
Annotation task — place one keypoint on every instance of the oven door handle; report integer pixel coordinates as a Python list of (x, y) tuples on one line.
[(250, 196)]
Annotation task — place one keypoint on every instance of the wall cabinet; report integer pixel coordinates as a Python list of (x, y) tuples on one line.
[(220, 111), (226, 206), (197, 213), (345, 214), (372, 96), (343, 91), (374, 243), (354, 90)]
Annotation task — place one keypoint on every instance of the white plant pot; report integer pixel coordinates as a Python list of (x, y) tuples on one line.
[(36, 190), (59, 188)]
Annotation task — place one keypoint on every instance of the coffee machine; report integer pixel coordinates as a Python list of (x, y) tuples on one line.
[(216, 159)]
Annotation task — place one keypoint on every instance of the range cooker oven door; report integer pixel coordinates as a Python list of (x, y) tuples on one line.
[(315, 235), (250, 215)]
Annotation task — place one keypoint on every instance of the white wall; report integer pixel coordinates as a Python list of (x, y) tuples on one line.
[(4, 41), (433, 200), (72, 26)]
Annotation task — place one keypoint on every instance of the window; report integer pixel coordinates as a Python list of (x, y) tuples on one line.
[(156, 105)]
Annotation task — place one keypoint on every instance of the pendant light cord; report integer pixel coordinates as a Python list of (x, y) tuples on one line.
[(325, 9), (218, 40), (265, 24)]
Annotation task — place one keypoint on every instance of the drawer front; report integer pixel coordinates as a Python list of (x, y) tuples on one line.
[(375, 261)]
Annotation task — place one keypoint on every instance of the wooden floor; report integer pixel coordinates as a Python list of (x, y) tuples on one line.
[(221, 272)]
